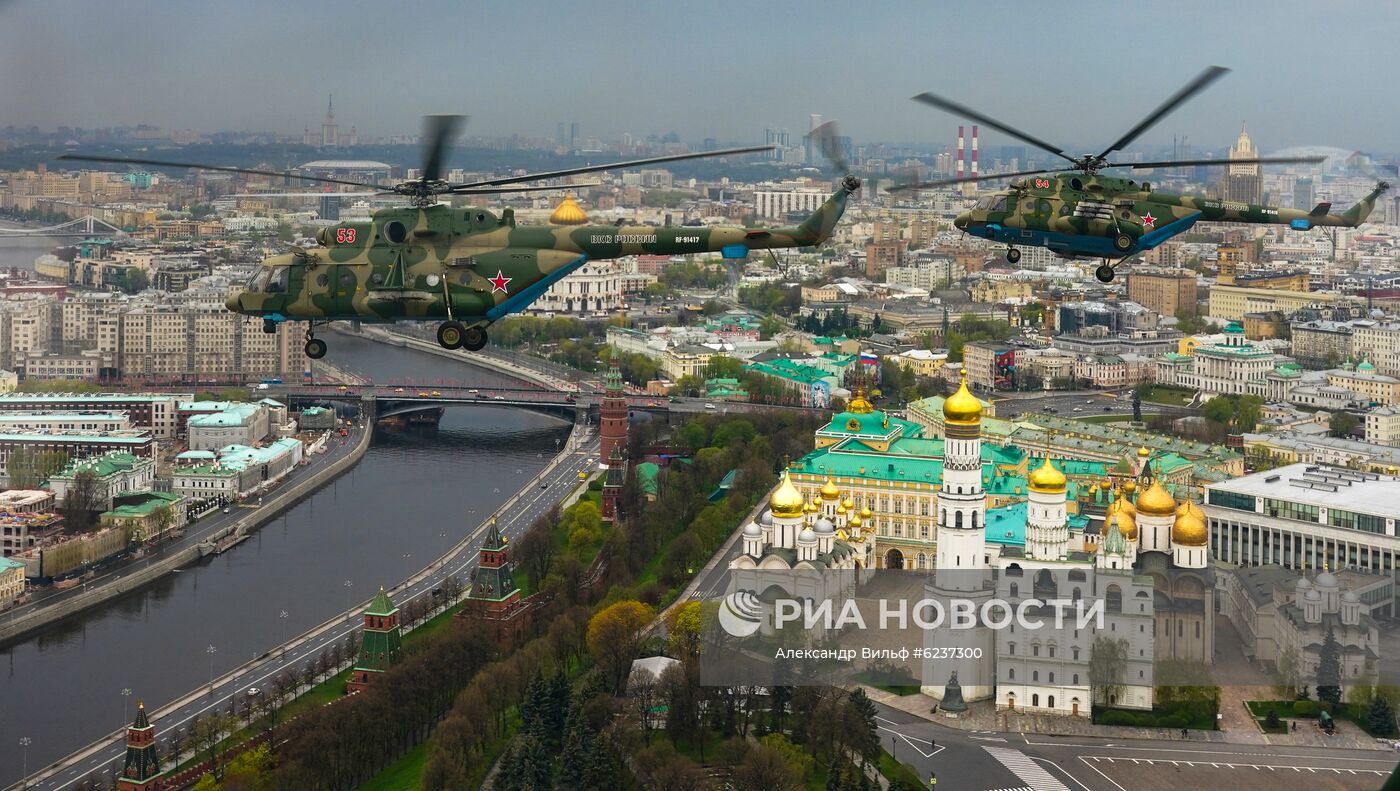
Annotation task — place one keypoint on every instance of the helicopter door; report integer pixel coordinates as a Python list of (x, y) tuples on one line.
[(344, 283)]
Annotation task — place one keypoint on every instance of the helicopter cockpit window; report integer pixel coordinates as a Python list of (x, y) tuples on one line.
[(1000, 204), (258, 283), (277, 283), (985, 202)]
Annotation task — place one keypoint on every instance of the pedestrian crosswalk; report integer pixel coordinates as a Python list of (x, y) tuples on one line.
[(1017, 788), (1030, 772)]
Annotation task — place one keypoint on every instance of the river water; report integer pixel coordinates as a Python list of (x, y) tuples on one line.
[(409, 499)]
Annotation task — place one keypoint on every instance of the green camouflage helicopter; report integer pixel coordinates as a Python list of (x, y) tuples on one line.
[(468, 266), (1075, 212)]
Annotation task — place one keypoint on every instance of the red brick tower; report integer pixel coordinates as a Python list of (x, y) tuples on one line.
[(141, 772), (613, 430)]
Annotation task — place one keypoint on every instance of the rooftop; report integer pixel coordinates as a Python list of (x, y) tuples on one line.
[(1321, 485)]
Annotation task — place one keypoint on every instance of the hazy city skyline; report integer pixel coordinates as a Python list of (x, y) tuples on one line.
[(728, 72)]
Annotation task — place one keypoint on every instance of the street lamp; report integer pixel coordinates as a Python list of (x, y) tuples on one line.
[(126, 699), (24, 742), (348, 585), (282, 619), (211, 650)]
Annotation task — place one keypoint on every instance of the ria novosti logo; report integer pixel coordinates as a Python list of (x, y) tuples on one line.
[(741, 613)]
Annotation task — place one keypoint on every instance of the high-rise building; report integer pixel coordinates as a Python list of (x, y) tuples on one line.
[(1242, 182)]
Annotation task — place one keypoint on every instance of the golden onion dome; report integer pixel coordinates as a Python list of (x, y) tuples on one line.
[(568, 212), (841, 509), (1144, 452), (1047, 480), (1156, 501), (1130, 487), (849, 504), (809, 508), (1190, 507), (859, 405), (1105, 483), (865, 513), (1121, 503), (830, 491), (962, 408), (1126, 524), (786, 502), (855, 521), (1189, 530)]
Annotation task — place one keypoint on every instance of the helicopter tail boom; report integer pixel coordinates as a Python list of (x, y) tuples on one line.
[(1358, 213), (819, 224)]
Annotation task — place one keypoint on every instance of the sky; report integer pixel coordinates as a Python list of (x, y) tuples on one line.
[(1075, 73)]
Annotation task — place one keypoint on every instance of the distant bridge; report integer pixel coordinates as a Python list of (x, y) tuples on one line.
[(83, 226), (393, 399)]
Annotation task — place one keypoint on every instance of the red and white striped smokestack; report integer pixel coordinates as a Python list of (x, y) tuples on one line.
[(974, 151), (960, 152)]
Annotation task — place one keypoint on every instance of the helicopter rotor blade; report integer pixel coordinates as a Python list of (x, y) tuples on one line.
[(1209, 162), (552, 174), (439, 133), (983, 177), (540, 188), (827, 137), (949, 106), (169, 164), (1202, 81)]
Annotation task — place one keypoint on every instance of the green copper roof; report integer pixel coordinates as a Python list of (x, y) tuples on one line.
[(381, 605), (647, 477)]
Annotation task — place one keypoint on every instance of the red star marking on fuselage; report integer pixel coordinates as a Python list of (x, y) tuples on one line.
[(1148, 221), (498, 283)]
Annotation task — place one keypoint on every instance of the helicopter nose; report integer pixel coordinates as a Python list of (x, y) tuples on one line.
[(234, 303), (961, 221)]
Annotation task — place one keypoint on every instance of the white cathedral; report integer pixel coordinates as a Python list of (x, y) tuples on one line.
[(1147, 563)]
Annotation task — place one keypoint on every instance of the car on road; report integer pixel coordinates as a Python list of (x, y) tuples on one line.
[(498, 398), (398, 389), (436, 393), (1108, 409), (423, 394), (225, 509), (544, 485), (1079, 409), (343, 389), (473, 391), (253, 692), (709, 406)]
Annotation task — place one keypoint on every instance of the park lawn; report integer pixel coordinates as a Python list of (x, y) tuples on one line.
[(1282, 726), (1174, 396), (893, 769), (401, 775)]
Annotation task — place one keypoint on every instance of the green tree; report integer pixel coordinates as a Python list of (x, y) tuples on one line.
[(82, 502), (1188, 322), (1108, 659), (1272, 719), (770, 326), (1329, 670), (1380, 720), (135, 281), (1341, 424)]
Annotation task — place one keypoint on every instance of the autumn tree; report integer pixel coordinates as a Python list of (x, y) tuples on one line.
[(614, 638)]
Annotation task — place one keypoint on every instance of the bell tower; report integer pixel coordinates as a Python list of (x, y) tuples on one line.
[(142, 771)]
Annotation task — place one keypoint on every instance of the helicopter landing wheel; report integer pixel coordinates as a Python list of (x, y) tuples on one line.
[(315, 348), (473, 339), (269, 326), (1104, 273), (1122, 242), (450, 334), (1013, 255)]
